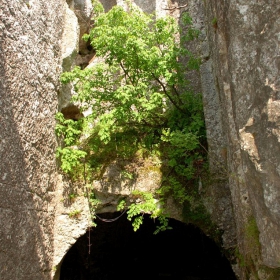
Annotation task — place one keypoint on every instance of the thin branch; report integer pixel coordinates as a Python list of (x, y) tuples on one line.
[(165, 92), (126, 73), (174, 8), (177, 93)]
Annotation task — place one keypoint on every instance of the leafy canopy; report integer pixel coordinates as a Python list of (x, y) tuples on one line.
[(138, 97)]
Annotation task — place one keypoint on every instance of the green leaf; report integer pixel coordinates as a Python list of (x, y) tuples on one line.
[(137, 100)]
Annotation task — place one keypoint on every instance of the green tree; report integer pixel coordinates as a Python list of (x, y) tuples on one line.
[(138, 96)]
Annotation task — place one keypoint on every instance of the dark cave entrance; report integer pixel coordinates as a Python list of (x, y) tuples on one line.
[(117, 252)]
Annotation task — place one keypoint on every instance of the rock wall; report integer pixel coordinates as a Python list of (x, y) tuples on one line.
[(243, 128), (239, 79), (239, 46), (30, 59)]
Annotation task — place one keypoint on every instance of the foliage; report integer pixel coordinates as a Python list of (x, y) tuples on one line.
[(72, 197), (70, 158), (252, 244), (249, 254), (252, 232), (70, 132), (240, 257), (75, 213), (144, 203), (194, 212), (139, 99), (214, 21), (163, 224), (93, 203), (97, 8)]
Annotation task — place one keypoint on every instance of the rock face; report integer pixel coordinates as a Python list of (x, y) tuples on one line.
[(239, 47), (216, 192), (30, 59), (239, 78), (243, 56)]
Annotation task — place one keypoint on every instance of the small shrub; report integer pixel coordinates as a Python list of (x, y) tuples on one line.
[(75, 213)]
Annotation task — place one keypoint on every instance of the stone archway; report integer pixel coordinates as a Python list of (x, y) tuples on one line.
[(114, 251)]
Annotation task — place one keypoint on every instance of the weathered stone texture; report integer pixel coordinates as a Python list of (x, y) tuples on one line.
[(244, 51), (108, 4), (239, 45), (69, 50), (30, 33), (215, 193), (68, 226)]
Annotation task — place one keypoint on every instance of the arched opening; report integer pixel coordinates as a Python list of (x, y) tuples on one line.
[(114, 251)]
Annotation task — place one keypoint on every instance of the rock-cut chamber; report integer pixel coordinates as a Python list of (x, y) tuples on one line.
[(112, 250)]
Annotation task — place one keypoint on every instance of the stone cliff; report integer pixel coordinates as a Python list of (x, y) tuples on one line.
[(30, 55), (243, 121), (239, 79)]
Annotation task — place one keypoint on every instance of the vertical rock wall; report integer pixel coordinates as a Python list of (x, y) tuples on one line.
[(215, 192), (244, 58), (239, 46), (30, 33)]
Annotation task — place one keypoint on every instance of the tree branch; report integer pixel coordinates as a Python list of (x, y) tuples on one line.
[(126, 73), (165, 92), (177, 93), (174, 8)]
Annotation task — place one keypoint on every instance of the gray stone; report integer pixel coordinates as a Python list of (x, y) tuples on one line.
[(239, 78), (244, 47), (30, 65), (70, 48)]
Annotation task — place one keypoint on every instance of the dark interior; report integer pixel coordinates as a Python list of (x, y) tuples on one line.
[(112, 250)]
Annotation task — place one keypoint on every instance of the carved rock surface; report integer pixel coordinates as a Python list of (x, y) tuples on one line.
[(244, 57), (72, 219), (239, 46), (215, 193), (69, 51), (30, 59)]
